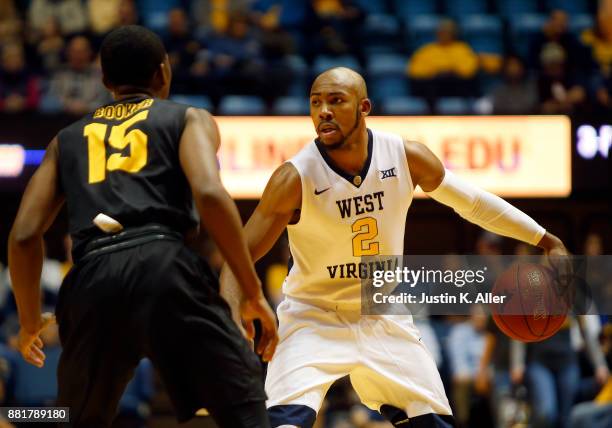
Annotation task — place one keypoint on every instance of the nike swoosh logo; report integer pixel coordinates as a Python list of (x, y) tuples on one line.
[(318, 192)]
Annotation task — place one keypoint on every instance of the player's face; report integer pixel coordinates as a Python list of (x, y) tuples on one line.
[(334, 111)]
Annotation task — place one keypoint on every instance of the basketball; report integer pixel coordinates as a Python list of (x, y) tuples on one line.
[(532, 310)]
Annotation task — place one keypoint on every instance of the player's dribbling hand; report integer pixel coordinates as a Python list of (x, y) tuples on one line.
[(258, 308), (30, 344), (560, 260)]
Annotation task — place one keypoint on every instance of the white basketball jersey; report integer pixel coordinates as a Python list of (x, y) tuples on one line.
[(344, 218)]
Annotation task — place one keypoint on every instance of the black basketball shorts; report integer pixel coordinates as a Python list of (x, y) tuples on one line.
[(158, 300)]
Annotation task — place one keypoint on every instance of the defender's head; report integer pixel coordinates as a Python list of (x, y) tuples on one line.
[(134, 59), (339, 105)]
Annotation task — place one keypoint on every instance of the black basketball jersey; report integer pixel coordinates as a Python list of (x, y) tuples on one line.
[(122, 160)]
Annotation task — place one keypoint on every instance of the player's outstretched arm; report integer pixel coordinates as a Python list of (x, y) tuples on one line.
[(219, 216), (39, 206), (281, 199), (476, 205)]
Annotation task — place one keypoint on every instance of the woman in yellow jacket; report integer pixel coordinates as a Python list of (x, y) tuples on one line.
[(445, 67)]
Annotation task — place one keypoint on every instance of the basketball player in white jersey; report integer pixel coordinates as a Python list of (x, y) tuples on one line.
[(346, 195)]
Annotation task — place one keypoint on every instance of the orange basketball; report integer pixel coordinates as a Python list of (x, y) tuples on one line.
[(532, 309)]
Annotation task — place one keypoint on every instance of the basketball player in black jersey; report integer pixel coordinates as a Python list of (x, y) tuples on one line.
[(140, 291)]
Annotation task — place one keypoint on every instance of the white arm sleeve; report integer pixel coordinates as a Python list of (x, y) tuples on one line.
[(486, 210)]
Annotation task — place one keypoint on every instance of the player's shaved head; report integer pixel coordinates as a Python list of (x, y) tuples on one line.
[(341, 78)]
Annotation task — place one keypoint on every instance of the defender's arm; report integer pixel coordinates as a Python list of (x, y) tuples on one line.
[(219, 215), (39, 206)]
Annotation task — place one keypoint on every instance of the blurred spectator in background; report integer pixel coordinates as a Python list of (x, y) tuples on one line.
[(603, 96), (339, 23), (6, 302), (445, 67), (215, 15), (517, 94), (200, 78), (492, 378), (18, 86), (551, 373), (128, 13), (182, 48), (78, 88), (276, 45), (556, 30), (489, 246), (466, 345), (597, 413), (70, 14), (593, 244), (135, 405), (50, 46), (522, 249), (297, 18), (103, 15), (6, 368), (235, 57), (599, 286), (266, 12), (559, 91), (599, 39), (491, 374), (10, 23)]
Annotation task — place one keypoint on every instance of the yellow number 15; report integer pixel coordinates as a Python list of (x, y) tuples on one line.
[(118, 139)]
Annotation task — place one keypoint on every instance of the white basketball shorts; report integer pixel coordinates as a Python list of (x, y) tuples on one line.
[(384, 356)]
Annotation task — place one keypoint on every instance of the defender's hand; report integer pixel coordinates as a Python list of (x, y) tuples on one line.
[(258, 308), (30, 344)]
